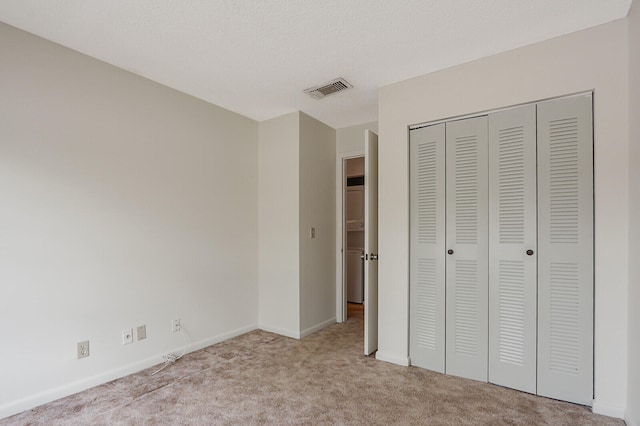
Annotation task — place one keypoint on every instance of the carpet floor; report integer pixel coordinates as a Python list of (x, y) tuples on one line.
[(263, 378)]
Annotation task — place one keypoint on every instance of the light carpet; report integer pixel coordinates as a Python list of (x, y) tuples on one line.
[(264, 378)]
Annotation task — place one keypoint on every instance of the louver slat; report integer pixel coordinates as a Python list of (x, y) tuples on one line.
[(426, 304), (511, 184), (427, 174), (564, 349), (511, 310), (563, 153), (466, 320), (466, 194)]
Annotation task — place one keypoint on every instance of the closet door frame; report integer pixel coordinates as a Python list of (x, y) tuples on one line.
[(546, 379)]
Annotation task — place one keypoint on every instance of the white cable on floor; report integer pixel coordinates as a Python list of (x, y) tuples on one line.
[(171, 358)]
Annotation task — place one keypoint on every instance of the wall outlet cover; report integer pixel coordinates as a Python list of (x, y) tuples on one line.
[(175, 325), (83, 349), (127, 336), (142, 332)]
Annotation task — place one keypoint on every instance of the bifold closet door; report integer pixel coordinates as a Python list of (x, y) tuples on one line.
[(565, 254), (467, 247), (427, 279), (512, 248)]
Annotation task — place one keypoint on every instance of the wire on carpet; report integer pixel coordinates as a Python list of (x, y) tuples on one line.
[(171, 358)]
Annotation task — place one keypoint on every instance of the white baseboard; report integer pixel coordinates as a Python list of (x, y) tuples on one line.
[(297, 334), (317, 327), (20, 405), (221, 337), (630, 420), (607, 410), (393, 358), (280, 331)]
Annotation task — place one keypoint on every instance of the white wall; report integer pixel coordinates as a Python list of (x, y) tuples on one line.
[(351, 139), (592, 59), (297, 172), (123, 203), (633, 396), (317, 209), (279, 219)]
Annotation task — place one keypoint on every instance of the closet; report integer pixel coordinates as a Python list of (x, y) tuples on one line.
[(501, 256)]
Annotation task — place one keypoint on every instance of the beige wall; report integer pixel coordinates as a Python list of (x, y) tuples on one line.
[(351, 139), (279, 200), (633, 397), (317, 209), (297, 177), (123, 203), (595, 59)]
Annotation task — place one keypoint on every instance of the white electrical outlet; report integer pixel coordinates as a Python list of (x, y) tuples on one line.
[(175, 325), (142, 332), (83, 349), (127, 336)]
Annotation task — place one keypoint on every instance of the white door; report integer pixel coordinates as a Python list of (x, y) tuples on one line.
[(426, 264), (371, 243), (565, 254), (512, 248), (519, 238), (467, 246)]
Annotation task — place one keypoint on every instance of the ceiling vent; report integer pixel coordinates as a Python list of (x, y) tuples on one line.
[(335, 86)]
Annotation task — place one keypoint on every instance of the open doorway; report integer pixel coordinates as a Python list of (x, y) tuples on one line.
[(361, 176), (345, 249), (363, 226), (353, 230)]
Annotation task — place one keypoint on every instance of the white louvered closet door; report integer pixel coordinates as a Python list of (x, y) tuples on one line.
[(512, 248), (427, 279), (565, 249), (467, 247)]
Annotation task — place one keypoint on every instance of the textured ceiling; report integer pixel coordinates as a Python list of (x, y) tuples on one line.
[(256, 57)]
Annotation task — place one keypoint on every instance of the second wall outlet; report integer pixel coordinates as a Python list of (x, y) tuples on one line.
[(127, 336), (83, 349), (175, 325), (142, 332)]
